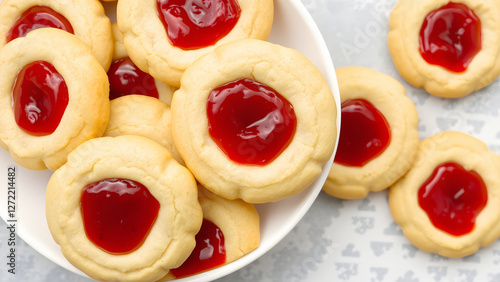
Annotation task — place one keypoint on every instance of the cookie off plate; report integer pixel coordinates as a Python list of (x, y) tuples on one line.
[(293, 27)]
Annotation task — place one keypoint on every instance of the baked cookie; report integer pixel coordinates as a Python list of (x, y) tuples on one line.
[(125, 78), (448, 48), (46, 108), (122, 209), (230, 228), (449, 201), (144, 116), (84, 18), (254, 120), (378, 136), (157, 41)]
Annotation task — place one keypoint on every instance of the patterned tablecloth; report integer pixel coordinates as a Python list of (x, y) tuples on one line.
[(353, 240)]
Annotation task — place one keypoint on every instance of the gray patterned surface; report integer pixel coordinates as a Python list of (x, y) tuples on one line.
[(356, 240)]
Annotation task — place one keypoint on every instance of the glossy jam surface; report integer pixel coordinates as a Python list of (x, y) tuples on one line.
[(38, 17), (364, 133), (250, 122), (209, 252), (453, 197), (451, 37), (194, 24), (40, 98), (118, 214), (126, 78)]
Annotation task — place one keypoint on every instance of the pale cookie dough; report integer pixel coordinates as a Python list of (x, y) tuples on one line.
[(293, 76), (165, 91), (172, 236), (238, 221), (87, 111), (144, 116), (472, 154), (87, 18), (389, 97), (149, 47), (405, 23)]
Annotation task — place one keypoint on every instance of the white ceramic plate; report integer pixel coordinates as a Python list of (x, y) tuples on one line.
[(293, 27)]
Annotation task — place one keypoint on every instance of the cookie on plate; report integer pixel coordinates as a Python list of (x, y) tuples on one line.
[(126, 78), (449, 201), (230, 228), (53, 97), (84, 18), (122, 209), (378, 136), (164, 37), (254, 120), (145, 116), (448, 48)]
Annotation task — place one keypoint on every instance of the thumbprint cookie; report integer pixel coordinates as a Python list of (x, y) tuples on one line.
[(254, 120), (449, 201), (450, 49), (145, 116), (122, 209), (230, 228), (53, 97), (84, 18), (163, 37), (378, 134), (126, 78)]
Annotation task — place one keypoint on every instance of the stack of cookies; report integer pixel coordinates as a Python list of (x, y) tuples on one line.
[(163, 129)]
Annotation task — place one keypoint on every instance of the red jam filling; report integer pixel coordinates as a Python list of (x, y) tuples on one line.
[(451, 37), (453, 197), (194, 24), (40, 98), (38, 17), (364, 133), (118, 214), (125, 78), (209, 252), (250, 121)]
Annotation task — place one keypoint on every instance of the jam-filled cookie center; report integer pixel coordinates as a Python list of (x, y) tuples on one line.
[(453, 197), (364, 133), (209, 252), (250, 121), (40, 98), (451, 37), (194, 24), (38, 17), (118, 214), (125, 78)]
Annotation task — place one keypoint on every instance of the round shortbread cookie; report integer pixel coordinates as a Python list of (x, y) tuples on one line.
[(298, 81), (144, 116), (405, 23), (237, 220), (172, 235), (87, 18), (472, 155), (165, 92), (389, 97), (86, 114), (149, 47)]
